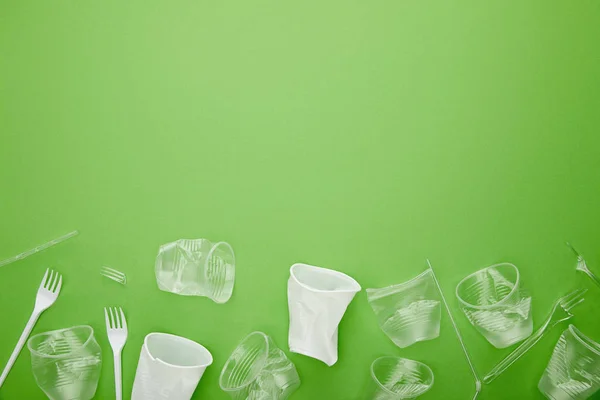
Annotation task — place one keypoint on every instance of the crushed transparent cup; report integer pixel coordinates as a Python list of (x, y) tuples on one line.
[(258, 370), (169, 367), (573, 372), (196, 267), (496, 305), (66, 363), (408, 312), (395, 378)]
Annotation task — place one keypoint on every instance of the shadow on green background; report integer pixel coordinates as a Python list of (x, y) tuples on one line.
[(363, 136)]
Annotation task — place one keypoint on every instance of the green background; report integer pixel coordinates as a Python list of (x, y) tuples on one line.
[(363, 136)]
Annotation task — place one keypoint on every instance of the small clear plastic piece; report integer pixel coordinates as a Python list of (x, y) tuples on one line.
[(408, 312), (496, 305), (573, 372), (196, 267), (66, 363), (258, 370), (395, 378), (114, 275)]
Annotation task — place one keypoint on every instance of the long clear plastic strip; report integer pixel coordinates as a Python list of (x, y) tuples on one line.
[(460, 339), (39, 248)]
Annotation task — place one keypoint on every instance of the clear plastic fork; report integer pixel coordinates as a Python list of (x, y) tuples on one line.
[(116, 329), (46, 296), (561, 311)]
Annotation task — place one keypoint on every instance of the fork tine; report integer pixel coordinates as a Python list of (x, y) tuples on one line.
[(49, 279), (106, 319), (572, 297), (112, 318), (123, 320), (573, 303), (58, 285), (44, 278), (118, 318)]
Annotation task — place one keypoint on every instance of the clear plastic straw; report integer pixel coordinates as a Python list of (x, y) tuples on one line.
[(460, 339), (37, 249)]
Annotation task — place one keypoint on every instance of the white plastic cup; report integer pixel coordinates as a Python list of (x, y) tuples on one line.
[(170, 367), (317, 300)]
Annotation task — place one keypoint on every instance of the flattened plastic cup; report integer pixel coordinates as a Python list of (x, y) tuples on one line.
[(258, 369), (66, 363), (196, 267), (317, 300), (395, 378), (573, 372), (496, 305), (170, 367), (408, 312)]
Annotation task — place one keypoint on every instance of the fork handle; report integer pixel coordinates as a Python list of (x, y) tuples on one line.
[(13, 357), (118, 381), (516, 354)]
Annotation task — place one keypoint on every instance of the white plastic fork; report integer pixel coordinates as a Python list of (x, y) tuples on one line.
[(46, 296), (116, 329)]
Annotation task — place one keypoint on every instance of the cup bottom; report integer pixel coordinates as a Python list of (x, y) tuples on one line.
[(503, 339)]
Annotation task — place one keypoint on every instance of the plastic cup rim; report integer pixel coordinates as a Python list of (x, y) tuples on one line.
[(396, 286), (397, 359), (209, 255), (83, 346), (253, 377), (498, 303), (181, 338), (584, 340), (357, 288)]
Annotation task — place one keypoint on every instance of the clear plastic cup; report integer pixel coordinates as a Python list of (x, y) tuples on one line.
[(258, 370), (496, 305), (395, 378), (408, 312), (573, 372), (66, 363), (196, 267)]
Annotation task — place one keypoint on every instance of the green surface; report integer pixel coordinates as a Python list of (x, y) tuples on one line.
[(362, 136)]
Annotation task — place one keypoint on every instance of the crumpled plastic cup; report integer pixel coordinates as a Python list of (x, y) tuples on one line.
[(317, 300), (496, 305), (258, 370), (196, 267), (395, 378), (66, 363), (169, 368), (573, 372), (408, 312)]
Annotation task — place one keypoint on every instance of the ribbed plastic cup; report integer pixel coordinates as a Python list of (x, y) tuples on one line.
[(196, 267), (496, 305), (408, 312), (66, 363), (573, 372), (395, 378), (258, 370)]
